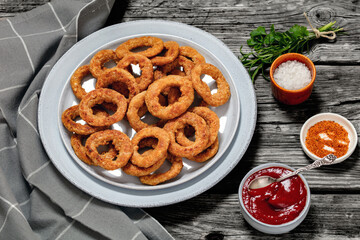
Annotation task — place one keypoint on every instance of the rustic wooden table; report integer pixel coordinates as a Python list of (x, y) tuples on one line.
[(335, 201)]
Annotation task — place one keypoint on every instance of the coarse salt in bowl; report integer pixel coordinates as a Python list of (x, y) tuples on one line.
[(295, 75), (292, 75)]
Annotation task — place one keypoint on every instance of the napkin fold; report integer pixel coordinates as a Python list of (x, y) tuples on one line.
[(36, 201)]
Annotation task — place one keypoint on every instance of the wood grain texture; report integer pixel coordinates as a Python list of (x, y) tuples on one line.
[(232, 21), (217, 216), (9, 8)]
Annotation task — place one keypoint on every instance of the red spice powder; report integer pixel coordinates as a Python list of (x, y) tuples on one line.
[(327, 137)]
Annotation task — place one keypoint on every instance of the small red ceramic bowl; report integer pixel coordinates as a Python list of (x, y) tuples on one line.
[(292, 97)]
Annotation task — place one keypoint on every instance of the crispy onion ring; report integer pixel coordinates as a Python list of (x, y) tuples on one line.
[(160, 151), (177, 72), (223, 90), (163, 71), (121, 143), (211, 119), (121, 87), (201, 134), (117, 75), (134, 170), (71, 113), (207, 153), (156, 46), (75, 81), (80, 150), (170, 55), (175, 109), (99, 59), (98, 96), (145, 65), (156, 178), (173, 95), (188, 58), (136, 111)]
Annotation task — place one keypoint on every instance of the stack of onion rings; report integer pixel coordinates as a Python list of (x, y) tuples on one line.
[(165, 88)]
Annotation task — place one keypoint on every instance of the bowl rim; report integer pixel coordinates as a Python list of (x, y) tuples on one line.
[(278, 226), (322, 117), (278, 59)]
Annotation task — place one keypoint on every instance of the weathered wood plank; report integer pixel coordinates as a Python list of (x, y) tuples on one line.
[(214, 216), (9, 8), (232, 21), (336, 89)]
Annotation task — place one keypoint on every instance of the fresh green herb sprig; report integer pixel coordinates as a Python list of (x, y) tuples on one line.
[(266, 47)]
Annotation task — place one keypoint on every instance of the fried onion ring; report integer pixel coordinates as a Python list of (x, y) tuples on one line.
[(80, 150), (156, 46), (223, 89), (121, 143), (134, 170), (207, 153), (188, 58), (211, 119), (75, 81), (201, 134), (71, 113), (163, 71), (136, 111), (145, 65), (156, 178), (99, 59), (173, 95), (175, 109), (99, 96), (170, 55), (160, 151), (117, 75)]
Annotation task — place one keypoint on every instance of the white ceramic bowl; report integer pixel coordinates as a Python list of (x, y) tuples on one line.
[(353, 137), (269, 228)]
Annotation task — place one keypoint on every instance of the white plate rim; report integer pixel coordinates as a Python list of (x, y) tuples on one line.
[(133, 198)]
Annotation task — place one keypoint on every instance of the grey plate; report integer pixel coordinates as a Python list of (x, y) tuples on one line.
[(50, 130)]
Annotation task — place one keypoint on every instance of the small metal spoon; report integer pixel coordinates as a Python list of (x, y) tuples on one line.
[(264, 181)]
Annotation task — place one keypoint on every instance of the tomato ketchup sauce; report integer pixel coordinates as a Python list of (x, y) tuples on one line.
[(277, 203)]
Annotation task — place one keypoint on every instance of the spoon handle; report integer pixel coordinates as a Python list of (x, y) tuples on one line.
[(327, 160)]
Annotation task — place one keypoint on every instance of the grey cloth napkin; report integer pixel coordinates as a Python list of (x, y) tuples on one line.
[(36, 201)]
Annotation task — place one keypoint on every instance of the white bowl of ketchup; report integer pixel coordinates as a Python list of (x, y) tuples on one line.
[(279, 207)]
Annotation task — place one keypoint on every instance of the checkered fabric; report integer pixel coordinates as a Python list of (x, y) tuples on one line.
[(36, 201)]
